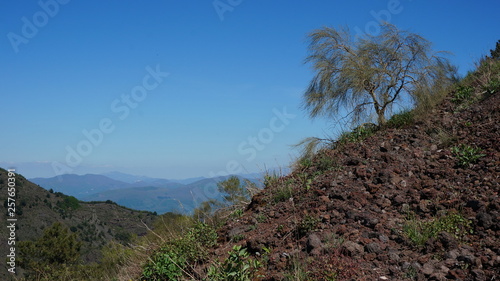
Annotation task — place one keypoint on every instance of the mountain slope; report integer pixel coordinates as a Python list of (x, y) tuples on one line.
[(95, 223), (419, 202)]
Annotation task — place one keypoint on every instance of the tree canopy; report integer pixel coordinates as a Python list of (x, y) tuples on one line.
[(369, 74)]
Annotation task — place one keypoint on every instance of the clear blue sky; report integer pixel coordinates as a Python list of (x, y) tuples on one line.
[(68, 66)]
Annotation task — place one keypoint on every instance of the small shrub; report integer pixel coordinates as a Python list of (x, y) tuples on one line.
[(307, 225), (165, 265), (203, 234), (172, 260), (237, 267), (462, 94), (466, 154)]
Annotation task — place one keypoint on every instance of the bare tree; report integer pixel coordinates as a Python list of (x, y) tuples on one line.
[(366, 75)]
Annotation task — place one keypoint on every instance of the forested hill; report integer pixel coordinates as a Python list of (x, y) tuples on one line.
[(36, 209)]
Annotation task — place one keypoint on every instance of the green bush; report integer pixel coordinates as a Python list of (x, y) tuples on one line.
[(165, 265), (237, 267), (52, 254), (466, 154), (203, 234)]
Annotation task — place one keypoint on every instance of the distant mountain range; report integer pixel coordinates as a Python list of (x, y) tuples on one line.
[(139, 192)]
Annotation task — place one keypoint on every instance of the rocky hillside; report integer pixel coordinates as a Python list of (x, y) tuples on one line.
[(95, 223), (412, 202)]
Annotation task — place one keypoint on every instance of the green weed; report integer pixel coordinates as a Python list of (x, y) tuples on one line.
[(462, 94), (419, 232), (466, 154)]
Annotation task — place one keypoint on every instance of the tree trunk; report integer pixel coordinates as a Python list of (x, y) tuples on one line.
[(381, 117)]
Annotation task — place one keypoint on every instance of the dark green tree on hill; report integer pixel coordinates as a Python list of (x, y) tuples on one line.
[(57, 248), (369, 74)]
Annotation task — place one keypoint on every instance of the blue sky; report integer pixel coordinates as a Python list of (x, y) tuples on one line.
[(178, 89)]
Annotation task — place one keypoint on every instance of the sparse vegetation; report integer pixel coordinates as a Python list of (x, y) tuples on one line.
[(466, 154), (296, 270), (176, 255), (283, 191), (358, 134), (419, 231)]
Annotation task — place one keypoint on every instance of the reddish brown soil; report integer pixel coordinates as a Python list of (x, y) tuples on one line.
[(357, 211)]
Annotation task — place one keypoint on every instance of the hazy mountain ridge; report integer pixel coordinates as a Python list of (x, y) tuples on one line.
[(183, 199), (139, 192), (79, 185)]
